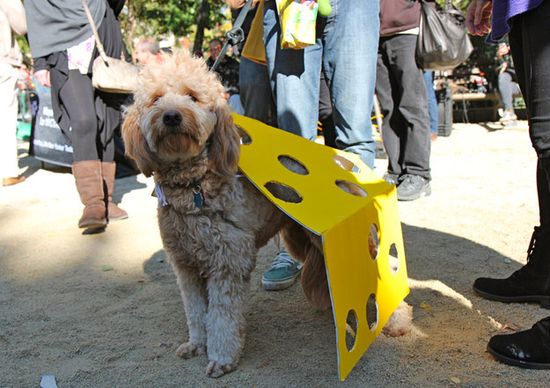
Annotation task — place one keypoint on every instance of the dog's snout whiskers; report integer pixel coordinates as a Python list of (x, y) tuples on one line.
[(172, 118)]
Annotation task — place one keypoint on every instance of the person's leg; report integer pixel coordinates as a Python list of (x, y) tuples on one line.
[(433, 110), (531, 52), (294, 77), (325, 113), (390, 135), (108, 107), (530, 47), (413, 118), (505, 90), (77, 95), (114, 212), (516, 91), (9, 168), (235, 104), (255, 92), (350, 43), (412, 106)]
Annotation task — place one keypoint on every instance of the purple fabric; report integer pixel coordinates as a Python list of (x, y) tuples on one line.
[(503, 11)]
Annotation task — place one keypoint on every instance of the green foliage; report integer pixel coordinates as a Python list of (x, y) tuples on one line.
[(25, 49), (168, 17)]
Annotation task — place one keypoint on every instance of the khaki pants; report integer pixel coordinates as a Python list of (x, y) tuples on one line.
[(8, 112)]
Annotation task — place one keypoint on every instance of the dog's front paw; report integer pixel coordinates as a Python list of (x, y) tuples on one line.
[(188, 350), (215, 369)]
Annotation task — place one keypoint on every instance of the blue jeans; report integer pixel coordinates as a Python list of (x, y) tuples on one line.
[(346, 52), (507, 89), (433, 110)]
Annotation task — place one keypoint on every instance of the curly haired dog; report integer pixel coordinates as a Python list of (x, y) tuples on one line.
[(212, 221)]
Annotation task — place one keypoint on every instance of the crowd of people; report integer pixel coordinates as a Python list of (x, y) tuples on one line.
[(294, 89)]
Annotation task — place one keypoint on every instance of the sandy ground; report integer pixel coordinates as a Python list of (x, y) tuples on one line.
[(104, 310)]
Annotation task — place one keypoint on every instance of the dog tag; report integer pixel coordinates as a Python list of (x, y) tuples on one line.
[(160, 195), (198, 197)]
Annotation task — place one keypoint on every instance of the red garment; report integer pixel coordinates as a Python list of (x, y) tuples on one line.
[(398, 16)]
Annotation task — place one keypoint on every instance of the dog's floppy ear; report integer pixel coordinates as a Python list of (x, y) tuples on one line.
[(224, 143), (134, 142)]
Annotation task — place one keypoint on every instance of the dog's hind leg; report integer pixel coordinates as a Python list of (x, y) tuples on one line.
[(400, 322), (314, 278), (296, 240), (307, 248), (193, 293), (225, 321)]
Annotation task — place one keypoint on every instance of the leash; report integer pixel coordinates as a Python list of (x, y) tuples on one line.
[(235, 35)]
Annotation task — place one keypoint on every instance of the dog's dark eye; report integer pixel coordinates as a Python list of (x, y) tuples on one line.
[(154, 100), (193, 98)]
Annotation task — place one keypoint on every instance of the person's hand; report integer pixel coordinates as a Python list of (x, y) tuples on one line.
[(503, 67), (502, 50), (478, 17), (43, 76)]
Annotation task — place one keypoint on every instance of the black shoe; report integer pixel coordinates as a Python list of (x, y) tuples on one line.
[(413, 187), (526, 349), (530, 283)]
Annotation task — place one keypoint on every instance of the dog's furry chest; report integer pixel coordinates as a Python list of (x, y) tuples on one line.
[(236, 215)]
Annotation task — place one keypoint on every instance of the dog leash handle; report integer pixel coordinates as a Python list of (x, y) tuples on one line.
[(235, 35)]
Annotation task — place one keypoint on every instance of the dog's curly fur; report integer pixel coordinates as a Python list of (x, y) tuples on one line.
[(179, 129)]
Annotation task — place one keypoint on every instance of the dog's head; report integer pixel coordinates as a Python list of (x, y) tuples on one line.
[(178, 112)]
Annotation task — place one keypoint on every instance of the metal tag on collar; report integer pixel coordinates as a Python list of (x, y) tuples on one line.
[(198, 196)]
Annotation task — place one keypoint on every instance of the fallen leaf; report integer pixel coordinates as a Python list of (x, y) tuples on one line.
[(425, 306), (509, 327)]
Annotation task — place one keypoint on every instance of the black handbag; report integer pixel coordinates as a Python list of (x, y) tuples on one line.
[(443, 42)]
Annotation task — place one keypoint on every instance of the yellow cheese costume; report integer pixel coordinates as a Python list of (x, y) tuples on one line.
[(364, 290)]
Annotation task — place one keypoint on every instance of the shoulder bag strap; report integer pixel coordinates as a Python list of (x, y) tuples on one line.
[(94, 30)]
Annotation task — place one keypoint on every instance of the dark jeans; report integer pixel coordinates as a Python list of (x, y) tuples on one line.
[(89, 142), (402, 95), (530, 47), (507, 88), (325, 113), (255, 92)]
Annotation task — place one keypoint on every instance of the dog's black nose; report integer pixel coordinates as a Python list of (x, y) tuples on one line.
[(171, 118)]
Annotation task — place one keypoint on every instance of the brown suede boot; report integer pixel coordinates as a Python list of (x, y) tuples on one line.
[(114, 213), (89, 183)]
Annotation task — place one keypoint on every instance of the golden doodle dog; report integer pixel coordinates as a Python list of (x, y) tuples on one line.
[(212, 221)]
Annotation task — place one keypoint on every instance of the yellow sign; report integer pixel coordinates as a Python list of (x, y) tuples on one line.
[(335, 195)]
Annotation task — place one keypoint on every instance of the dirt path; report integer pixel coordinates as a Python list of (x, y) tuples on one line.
[(104, 310)]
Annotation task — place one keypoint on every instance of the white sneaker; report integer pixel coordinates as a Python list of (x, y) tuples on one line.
[(508, 116)]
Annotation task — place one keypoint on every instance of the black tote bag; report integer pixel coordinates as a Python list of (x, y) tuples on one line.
[(443, 41)]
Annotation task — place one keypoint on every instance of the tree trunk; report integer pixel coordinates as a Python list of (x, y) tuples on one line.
[(202, 23)]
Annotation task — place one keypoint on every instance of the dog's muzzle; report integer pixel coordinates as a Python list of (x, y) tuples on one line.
[(172, 118)]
